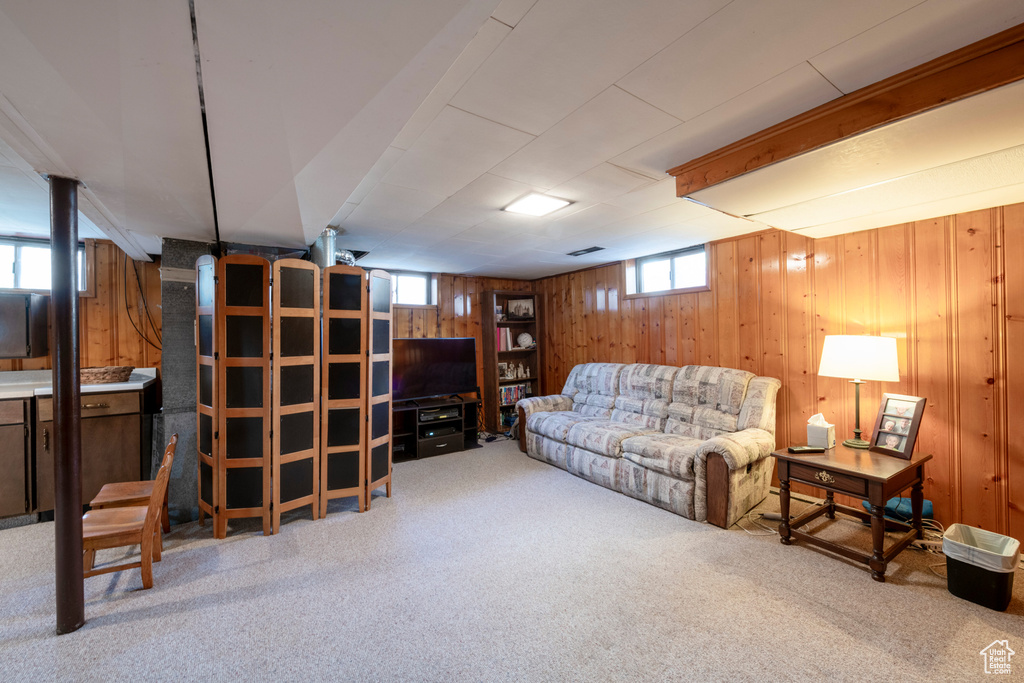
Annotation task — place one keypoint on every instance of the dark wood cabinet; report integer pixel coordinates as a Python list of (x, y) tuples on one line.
[(15, 483), (434, 426), (112, 444)]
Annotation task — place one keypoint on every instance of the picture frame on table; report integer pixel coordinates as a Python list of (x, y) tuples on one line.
[(897, 424), (519, 309)]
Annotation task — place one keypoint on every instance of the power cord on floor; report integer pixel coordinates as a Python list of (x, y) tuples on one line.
[(768, 531)]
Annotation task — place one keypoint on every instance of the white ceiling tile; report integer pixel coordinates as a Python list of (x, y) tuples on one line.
[(607, 125), (311, 119), (482, 45), (601, 183), (777, 99), (591, 218), (744, 45), (900, 148), (492, 192), (655, 196), (390, 208), (376, 173), (682, 211), (454, 150), (564, 53), (922, 33), (510, 12)]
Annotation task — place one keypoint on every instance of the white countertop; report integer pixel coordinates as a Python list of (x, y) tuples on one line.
[(29, 383)]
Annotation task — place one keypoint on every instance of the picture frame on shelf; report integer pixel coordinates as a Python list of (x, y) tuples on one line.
[(502, 370), (499, 314), (520, 309), (897, 424)]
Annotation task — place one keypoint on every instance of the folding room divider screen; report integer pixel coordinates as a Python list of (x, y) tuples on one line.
[(233, 338), (310, 441), (379, 347), (296, 404), (343, 414)]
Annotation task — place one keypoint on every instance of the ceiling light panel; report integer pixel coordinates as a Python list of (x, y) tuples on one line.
[(536, 204)]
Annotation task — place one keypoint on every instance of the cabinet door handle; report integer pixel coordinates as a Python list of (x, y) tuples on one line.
[(825, 477), (440, 445), (46, 439), (95, 405)]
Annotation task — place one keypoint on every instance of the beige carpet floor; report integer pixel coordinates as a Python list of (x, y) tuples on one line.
[(488, 565)]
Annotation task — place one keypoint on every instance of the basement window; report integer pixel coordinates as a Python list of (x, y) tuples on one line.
[(671, 272), (413, 289), (25, 265)]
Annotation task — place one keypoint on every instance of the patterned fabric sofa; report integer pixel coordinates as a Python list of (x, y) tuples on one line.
[(695, 440)]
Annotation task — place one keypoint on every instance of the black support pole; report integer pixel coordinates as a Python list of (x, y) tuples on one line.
[(67, 413)]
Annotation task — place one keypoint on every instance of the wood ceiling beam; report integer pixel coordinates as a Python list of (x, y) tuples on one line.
[(971, 70)]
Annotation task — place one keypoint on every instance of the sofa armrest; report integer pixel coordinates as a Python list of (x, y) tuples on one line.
[(727, 480), (739, 449), (543, 404)]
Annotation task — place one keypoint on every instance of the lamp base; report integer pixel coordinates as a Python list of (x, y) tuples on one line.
[(856, 443)]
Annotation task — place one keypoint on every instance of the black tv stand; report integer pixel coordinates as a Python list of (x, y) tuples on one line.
[(433, 426)]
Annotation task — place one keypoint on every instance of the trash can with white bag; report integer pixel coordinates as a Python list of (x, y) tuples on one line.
[(980, 565)]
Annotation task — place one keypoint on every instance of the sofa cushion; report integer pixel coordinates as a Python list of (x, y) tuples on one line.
[(602, 436), (593, 387), (666, 453), (706, 401), (644, 395), (556, 425)]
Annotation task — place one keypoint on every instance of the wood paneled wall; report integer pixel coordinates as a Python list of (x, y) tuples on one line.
[(939, 286), (106, 336), (457, 313)]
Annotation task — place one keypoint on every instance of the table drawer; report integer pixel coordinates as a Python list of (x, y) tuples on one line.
[(96, 405), (440, 444), (12, 412), (816, 476)]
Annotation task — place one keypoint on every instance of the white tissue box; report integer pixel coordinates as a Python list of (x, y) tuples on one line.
[(821, 437)]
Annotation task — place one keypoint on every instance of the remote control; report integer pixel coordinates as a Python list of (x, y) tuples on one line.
[(806, 449)]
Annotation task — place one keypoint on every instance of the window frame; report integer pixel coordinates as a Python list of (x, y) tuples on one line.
[(87, 247), (634, 268), (431, 288)]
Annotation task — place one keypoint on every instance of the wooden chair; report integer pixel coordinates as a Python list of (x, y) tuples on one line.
[(131, 494), (135, 525)]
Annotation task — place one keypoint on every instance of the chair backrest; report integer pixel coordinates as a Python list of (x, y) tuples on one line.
[(156, 499)]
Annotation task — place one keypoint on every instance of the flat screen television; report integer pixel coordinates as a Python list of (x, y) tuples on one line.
[(433, 367)]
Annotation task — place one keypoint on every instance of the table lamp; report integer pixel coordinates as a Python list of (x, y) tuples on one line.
[(859, 358)]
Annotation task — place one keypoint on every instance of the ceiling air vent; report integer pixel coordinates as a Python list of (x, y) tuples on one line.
[(581, 252)]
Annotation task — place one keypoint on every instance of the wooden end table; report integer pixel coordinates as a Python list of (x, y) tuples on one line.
[(874, 477)]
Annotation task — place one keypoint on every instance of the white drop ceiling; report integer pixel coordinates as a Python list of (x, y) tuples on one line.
[(409, 125)]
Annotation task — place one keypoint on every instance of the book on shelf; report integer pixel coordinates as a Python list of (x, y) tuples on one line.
[(510, 394), (504, 335)]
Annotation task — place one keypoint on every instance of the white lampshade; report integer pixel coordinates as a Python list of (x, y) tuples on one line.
[(860, 357)]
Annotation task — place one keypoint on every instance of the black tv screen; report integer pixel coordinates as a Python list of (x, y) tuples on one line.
[(433, 367)]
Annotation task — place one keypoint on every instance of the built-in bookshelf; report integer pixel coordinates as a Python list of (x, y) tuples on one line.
[(511, 370)]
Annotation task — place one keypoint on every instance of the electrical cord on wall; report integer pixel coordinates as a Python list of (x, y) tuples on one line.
[(128, 310), (145, 303)]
